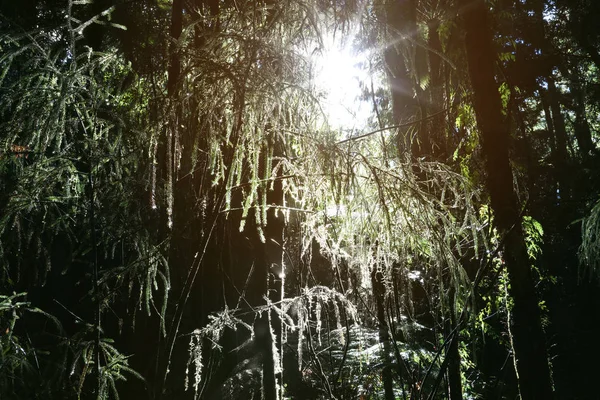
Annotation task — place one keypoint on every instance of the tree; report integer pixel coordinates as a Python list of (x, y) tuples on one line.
[(527, 334)]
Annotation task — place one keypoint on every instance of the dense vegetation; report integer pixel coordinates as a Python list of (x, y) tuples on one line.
[(179, 218)]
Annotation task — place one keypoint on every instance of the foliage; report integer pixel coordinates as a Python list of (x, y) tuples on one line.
[(147, 170), (19, 359), (67, 106), (589, 251)]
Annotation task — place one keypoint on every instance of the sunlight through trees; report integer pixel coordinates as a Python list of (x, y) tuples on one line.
[(298, 199)]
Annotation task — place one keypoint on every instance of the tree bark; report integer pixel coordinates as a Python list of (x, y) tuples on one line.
[(175, 33), (551, 59), (165, 171), (270, 270), (583, 133), (528, 336), (561, 155), (436, 87), (404, 104), (454, 376), (384, 336), (582, 26)]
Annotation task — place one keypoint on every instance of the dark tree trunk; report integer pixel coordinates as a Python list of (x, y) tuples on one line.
[(272, 379), (397, 15), (582, 26), (175, 33), (454, 376), (583, 133), (384, 336), (422, 141), (528, 336), (549, 122), (437, 126), (270, 272), (264, 341), (165, 157), (561, 155), (549, 59)]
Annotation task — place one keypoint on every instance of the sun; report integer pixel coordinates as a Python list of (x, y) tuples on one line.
[(340, 73)]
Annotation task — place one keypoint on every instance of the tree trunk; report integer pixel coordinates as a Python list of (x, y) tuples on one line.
[(384, 336), (581, 26), (583, 133), (529, 341), (561, 155), (549, 60), (264, 341), (404, 104), (174, 62), (436, 87), (454, 376), (270, 272), (165, 157)]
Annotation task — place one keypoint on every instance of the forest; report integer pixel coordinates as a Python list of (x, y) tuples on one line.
[(299, 199)]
